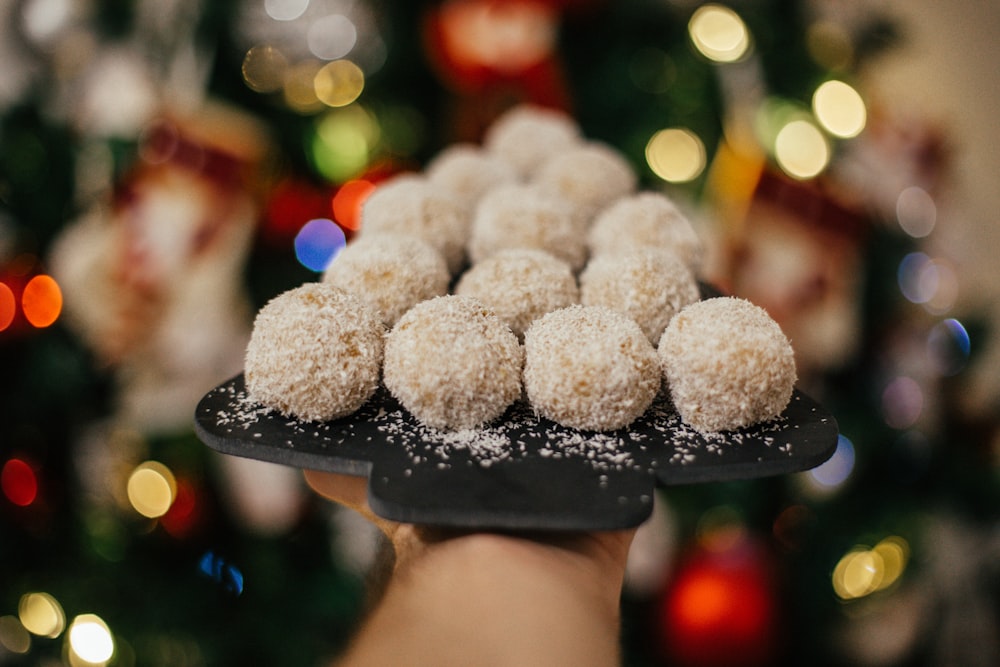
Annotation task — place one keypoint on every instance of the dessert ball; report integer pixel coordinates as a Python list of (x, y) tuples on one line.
[(589, 367), (525, 135), (520, 286), (523, 216), (645, 220), (314, 353), (392, 273), (468, 172), (452, 363), (590, 176), (648, 286), (727, 364), (410, 204)]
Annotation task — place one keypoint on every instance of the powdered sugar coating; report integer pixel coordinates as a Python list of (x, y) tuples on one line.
[(452, 363), (727, 364), (521, 285), (315, 353), (647, 220), (392, 273), (648, 286), (589, 175), (524, 216), (589, 367), (525, 135), (410, 204), (468, 172)]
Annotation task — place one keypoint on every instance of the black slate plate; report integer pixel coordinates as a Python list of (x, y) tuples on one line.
[(522, 472)]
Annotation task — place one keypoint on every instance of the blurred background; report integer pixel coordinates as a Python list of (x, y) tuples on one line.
[(167, 166)]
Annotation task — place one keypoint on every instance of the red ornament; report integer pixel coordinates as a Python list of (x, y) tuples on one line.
[(720, 608)]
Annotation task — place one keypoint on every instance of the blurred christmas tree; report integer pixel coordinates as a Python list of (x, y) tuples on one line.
[(160, 162)]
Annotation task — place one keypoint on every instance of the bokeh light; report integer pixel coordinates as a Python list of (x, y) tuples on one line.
[(902, 402), (13, 636), (930, 282), (339, 83), (832, 473), (285, 10), (801, 149), (264, 68), (676, 155), (839, 109), (830, 45), (948, 347), (19, 482), (90, 639), (41, 614), (8, 306), (318, 242), (41, 301), (719, 33), (916, 212), (348, 200), (342, 144), (332, 36), (862, 571), (299, 87), (151, 489), (222, 572)]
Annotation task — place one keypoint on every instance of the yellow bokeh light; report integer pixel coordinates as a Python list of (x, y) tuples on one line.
[(13, 636), (339, 83), (863, 571), (676, 155), (90, 639), (840, 109), (41, 614), (264, 68), (719, 33), (299, 87), (801, 149), (151, 489)]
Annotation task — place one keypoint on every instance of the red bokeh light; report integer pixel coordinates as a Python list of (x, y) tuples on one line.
[(19, 482), (348, 201)]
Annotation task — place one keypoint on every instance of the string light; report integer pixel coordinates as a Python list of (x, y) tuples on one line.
[(839, 109), (285, 10), (13, 635), (719, 33), (332, 36), (916, 212), (264, 68), (19, 482), (299, 87), (343, 141), (90, 639), (348, 201), (339, 83), (862, 571), (801, 149), (151, 489), (837, 469), (8, 306), (676, 155), (41, 614), (318, 243), (41, 301)]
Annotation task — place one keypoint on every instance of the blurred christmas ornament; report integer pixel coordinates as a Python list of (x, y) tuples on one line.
[(719, 609), (153, 275), (798, 254)]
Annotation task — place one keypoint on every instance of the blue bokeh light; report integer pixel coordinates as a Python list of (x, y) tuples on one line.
[(838, 468), (318, 242)]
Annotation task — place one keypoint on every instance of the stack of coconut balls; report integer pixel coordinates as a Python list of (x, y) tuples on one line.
[(527, 266)]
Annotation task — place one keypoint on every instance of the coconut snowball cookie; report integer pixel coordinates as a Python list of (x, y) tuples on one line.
[(411, 204), (521, 285), (524, 216), (315, 353), (649, 220), (468, 172), (525, 135), (648, 286), (452, 363), (391, 273), (589, 367), (727, 364), (590, 176)]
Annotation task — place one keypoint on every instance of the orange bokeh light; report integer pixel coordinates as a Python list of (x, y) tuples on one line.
[(348, 201), (42, 301), (8, 306)]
